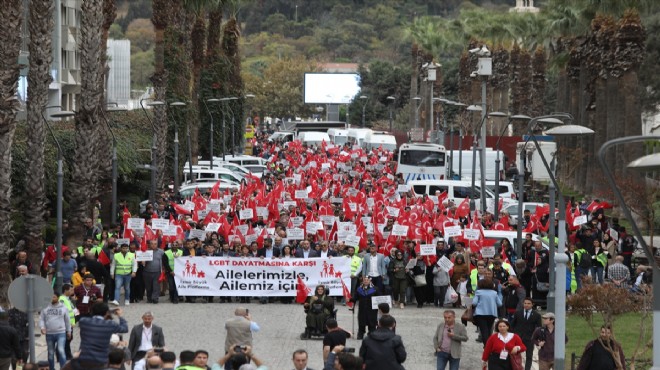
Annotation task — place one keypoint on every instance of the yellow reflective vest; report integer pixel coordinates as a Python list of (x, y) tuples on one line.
[(124, 264)]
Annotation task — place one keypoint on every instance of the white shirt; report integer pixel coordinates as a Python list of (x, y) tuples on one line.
[(373, 265), (324, 254), (145, 340)]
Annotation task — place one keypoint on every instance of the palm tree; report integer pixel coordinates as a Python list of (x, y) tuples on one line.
[(84, 180), (104, 148), (11, 14), (231, 34), (41, 57)]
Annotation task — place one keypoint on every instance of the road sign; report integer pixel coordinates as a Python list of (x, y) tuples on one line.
[(18, 293), (416, 134)]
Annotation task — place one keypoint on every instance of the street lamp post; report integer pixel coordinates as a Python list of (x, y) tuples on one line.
[(176, 147), (475, 133), (418, 102), (364, 106), (212, 131), (497, 161), (560, 257), (115, 175), (60, 195), (391, 100), (154, 149), (647, 163)]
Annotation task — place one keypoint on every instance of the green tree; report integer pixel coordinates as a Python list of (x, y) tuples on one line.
[(141, 33)]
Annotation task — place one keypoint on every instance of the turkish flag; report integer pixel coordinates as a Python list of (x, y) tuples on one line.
[(179, 209), (463, 209), (302, 291), (103, 258), (347, 294)]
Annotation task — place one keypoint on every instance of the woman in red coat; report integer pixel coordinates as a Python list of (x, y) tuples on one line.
[(500, 346)]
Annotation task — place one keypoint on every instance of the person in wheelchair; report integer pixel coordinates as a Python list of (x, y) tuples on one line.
[(318, 308)]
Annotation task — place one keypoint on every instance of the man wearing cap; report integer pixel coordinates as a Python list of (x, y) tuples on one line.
[(373, 266), (240, 329), (544, 339)]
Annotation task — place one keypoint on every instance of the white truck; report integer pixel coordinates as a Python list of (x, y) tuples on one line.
[(466, 163), (533, 162)]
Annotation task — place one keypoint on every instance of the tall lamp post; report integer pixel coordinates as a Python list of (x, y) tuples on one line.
[(60, 195), (176, 147), (646, 163), (390, 100), (364, 106), (115, 175), (475, 134), (496, 212), (418, 102), (560, 257), (154, 149), (213, 100)]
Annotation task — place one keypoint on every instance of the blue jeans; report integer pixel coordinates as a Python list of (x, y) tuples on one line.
[(445, 358), (597, 274), (125, 281), (579, 273), (53, 341)]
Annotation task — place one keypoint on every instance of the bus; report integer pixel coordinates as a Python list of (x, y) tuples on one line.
[(422, 161)]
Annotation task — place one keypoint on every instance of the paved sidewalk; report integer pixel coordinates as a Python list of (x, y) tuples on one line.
[(201, 326)]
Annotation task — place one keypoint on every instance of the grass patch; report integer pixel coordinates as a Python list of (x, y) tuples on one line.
[(626, 331)]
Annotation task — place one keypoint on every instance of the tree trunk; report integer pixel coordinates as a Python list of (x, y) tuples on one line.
[(83, 181), (198, 37), (413, 83), (41, 57), (11, 14), (538, 82), (159, 80), (596, 181)]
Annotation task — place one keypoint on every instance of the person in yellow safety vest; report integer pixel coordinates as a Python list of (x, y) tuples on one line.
[(505, 265), (476, 275), (168, 264), (65, 298), (122, 269), (356, 267), (88, 243)]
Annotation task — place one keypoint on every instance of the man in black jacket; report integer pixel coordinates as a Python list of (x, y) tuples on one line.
[(9, 342), (524, 323), (382, 349)]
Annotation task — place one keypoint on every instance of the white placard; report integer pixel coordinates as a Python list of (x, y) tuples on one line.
[(488, 252), (370, 202), (251, 238), (270, 230), (353, 192), (353, 207), (327, 220), (352, 240), (246, 214), (336, 200), (144, 256), (376, 300), (213, 207), (189, 205), (170, 230), (289, 203), (402, 188), (399, 230), (297, 221), (297, 177), (123, 241), (452, 231), (472, 234), (262, 211), (313, 226), (445, 263), (393, 211), (135, 223), (212, 227), (160, 224), (427, 250), (577, 221), (301, 194), (197, 233), (295, 234), (614, 234), (202, 214)]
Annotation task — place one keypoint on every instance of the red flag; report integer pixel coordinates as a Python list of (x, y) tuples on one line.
[(347, 294), (302, 291), (103, 258), (178, 208), (125, 216), (463, 209)]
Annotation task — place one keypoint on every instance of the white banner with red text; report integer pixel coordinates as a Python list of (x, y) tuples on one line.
[(254, 277)]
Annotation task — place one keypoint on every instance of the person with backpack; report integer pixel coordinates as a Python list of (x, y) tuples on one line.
[(582, 263)]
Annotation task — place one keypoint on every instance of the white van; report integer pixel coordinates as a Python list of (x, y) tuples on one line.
[(377, 139), (205, 174), (507, 189), (187, 191), (512, 210), (456, 190), (315, 138), (356, 136), (338, 136), (498, 235)]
